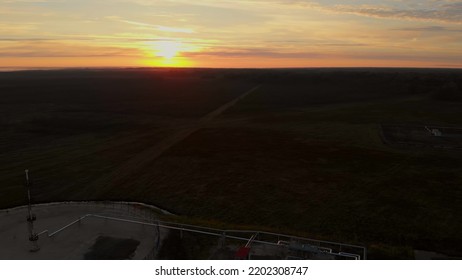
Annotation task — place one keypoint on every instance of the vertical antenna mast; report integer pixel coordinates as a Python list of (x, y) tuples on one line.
[(33, 237)]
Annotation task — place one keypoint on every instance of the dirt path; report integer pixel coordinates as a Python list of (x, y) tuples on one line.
[(150, 154)]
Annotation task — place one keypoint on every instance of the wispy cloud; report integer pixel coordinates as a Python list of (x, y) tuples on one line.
[(434, 28), (257, 52), (17, 28), (161, 28), (267, 53), (33, 1), (248, 31), (447, 11), (62, 49)]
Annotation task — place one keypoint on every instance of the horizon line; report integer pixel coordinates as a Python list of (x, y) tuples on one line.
[(4, 69)]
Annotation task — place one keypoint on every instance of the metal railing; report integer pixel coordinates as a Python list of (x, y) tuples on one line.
[(142, 214)]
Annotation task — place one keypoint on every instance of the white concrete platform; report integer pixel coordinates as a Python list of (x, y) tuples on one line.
[(73, 242)]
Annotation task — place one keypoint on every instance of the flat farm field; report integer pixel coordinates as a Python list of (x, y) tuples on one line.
[(302, 154)]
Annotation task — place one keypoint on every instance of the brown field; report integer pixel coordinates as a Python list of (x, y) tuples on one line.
[(302, 154)]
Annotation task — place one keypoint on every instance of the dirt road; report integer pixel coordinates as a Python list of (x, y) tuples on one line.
[(141, 159)]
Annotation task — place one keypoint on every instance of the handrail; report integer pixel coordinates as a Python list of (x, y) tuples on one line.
[(184, 227), (198, 229), (298, 238), (64, 227)]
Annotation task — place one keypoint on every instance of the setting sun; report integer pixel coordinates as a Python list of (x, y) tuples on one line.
[(231, 34), (167, 49), (168, 53)]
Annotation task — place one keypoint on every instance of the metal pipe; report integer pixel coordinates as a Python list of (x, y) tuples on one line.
[(64, 227), (299, 238), (74, 222), (182, 227), (204, 232), (215, 232)]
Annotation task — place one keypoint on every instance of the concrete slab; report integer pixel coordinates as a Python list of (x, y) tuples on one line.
[(74, 241)]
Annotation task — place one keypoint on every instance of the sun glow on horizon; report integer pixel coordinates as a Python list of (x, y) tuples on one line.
[(230, 34), (167, 49), (168, 53)]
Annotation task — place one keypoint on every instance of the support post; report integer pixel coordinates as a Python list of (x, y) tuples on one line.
[(33, 236)]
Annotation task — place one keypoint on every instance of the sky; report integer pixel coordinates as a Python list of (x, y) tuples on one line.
[(230, 33)]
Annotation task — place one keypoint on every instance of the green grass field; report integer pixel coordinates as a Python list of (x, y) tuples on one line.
[(300, 155)]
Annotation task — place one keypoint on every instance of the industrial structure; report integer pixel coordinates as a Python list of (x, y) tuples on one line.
[(64, 237)]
